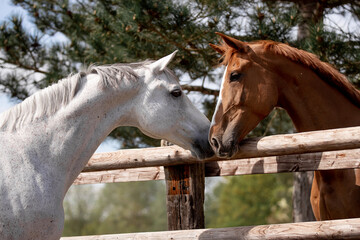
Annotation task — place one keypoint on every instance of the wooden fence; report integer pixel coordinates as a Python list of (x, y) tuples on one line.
[(184, 175)]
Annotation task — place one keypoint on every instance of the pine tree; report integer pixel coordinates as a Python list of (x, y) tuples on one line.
[(109, 31)]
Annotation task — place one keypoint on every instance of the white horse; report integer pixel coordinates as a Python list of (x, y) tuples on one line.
[(46, 140)]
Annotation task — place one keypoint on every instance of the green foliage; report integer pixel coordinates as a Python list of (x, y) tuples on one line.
[(131, 207), (274, 21), (250, 200), (339, 49), (115, 208), (79, 205)]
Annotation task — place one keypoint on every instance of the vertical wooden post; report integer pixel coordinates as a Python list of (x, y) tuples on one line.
[(185, 186)]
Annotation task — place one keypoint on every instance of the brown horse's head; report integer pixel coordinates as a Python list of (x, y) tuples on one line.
[(248, 94)]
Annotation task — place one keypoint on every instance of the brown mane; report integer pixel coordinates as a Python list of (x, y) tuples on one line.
[(324, 70)]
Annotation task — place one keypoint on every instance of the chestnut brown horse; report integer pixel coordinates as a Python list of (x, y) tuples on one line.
[(264, 74)]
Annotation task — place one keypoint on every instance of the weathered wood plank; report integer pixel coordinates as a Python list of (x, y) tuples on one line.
[(139, 157), (342, 159), (305, 142), (317, 141), (185, 195), (335, 229), (121, 175), (185, 185), (287, 163)]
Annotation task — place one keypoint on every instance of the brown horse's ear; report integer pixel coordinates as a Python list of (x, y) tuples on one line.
[(234, 43), (217, 48)]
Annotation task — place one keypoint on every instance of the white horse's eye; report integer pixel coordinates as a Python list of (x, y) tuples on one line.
[(176, 92)]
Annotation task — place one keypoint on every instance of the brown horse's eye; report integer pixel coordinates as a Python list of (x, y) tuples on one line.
[(235, 76), (176, 92)]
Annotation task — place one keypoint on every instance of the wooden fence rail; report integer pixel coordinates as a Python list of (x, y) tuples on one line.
[(319, 150), (336, 229), (307, 142), (275, 164), (272, 154)]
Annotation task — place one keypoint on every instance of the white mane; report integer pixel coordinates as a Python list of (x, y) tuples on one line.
[(49, 100), (43, 103)]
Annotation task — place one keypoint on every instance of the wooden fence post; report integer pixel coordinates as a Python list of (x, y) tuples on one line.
[(185, 186)]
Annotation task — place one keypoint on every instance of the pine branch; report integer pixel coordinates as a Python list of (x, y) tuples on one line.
[(325, 4), (201, 89), (153, 28), (20, 65)]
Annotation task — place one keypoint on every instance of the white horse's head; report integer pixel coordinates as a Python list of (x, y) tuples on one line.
[(164, 111)]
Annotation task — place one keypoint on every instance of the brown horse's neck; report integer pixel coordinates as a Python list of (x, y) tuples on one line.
[(312, 103)]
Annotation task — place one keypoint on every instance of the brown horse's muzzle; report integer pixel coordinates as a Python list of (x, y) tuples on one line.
[(226, 134), (222, 150), (224, 143)]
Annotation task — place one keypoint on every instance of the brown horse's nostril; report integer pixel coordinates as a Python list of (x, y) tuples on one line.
[(215, 143)]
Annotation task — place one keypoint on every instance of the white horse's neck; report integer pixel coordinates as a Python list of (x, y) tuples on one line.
[(79, 127), (43, 156), (91, 117)]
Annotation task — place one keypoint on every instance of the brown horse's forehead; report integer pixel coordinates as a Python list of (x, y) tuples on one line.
[(238, 59), (237, 62)]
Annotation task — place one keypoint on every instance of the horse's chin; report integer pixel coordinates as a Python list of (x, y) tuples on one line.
[(202, 150), (201, 155), (229, 153)]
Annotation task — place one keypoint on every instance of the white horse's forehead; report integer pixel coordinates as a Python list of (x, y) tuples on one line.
[(220, 97), (168, 78), (162, 76)]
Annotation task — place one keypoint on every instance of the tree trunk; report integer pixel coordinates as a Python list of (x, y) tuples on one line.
[(302, 210), (311, 13)]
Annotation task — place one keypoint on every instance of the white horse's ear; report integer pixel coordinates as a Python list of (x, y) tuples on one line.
[(160, 64)]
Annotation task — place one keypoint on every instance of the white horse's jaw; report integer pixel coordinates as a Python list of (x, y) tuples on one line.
[(201, 148)]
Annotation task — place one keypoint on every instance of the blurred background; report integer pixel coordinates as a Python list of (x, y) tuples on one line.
[(43, 41)]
